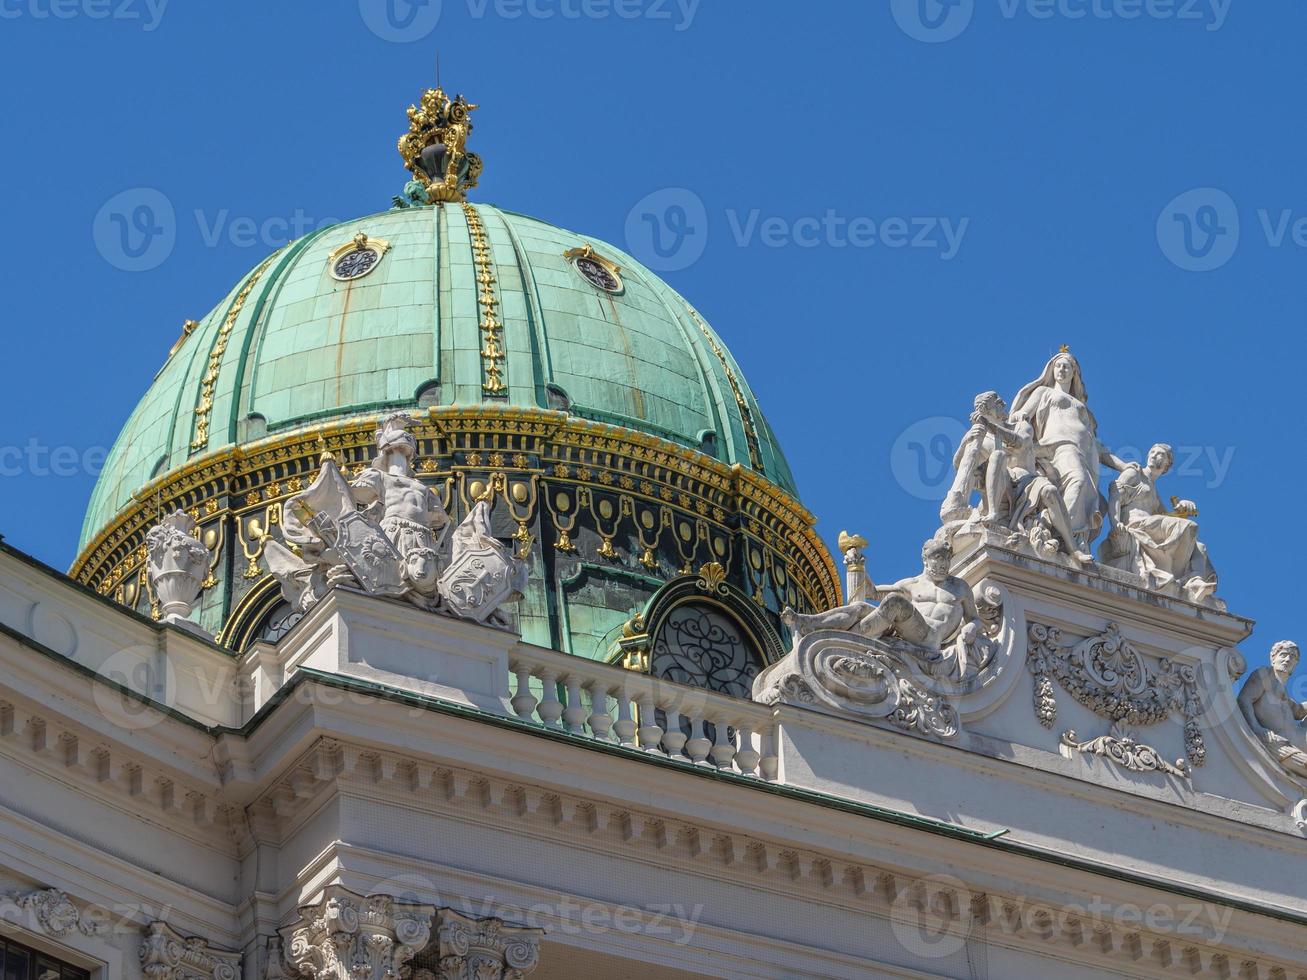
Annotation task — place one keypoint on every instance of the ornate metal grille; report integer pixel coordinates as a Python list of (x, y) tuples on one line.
[(702, 646), (353, 265)]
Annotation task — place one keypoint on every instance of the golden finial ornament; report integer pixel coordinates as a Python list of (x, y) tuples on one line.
[(1064, 349), (434, 149)]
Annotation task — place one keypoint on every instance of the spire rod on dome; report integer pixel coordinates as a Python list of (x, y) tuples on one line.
[(435, 151)]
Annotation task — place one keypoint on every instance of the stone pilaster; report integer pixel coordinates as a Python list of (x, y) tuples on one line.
[(485, 949), (348, 937)]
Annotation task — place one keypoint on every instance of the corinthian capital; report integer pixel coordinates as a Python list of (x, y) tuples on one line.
[(348, 937), (166, 955), (485, 949)]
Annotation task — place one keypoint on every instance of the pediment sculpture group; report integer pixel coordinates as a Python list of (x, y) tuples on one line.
[(1026, 478)]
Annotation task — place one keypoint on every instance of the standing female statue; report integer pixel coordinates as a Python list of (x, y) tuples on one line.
[(1066, 441)]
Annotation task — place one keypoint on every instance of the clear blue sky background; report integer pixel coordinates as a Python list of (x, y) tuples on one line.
[(1060, 140)]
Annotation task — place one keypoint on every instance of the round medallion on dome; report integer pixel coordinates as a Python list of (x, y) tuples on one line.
[(595, 269), (356, 259)]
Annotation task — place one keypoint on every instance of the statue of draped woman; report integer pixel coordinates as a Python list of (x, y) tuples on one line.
[(1066, 442)]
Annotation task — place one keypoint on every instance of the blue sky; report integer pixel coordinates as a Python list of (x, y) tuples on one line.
[(883, 207)]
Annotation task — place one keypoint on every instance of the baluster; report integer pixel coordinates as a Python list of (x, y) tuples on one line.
[(723, 750), (697, 747), (673, 738), (769, 763), (524, 702), (650, 734), (550, 709), (575, 714), (746, 759), (624, 727), (600, 720)]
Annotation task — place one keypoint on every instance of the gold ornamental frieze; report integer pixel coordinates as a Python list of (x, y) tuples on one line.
[(641, 501)]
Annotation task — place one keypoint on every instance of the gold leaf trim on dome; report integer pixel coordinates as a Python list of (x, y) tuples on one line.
[(658, 490), (746, 416), (209, 382), (493, 368)]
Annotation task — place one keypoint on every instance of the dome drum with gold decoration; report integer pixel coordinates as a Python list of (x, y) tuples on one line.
[(599, 415)]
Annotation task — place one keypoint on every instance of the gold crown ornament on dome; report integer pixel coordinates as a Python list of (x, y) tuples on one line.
[(435, 149)]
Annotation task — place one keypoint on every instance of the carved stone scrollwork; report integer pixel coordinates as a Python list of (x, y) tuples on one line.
[(166, 955), (349, 937), (1120, 747), (485, 949), (54, 913), (1110, 677), (856, 677)]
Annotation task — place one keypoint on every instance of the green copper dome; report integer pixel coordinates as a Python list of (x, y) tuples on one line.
[(294, 344)]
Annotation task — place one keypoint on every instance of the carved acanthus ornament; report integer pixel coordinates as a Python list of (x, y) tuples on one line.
[(485, 949), (1120, 747), (51, 911), (349, 937), (1110, 677), (856, 677), (166, 955)]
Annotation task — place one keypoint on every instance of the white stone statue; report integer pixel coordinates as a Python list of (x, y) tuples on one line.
[(407, 510), (926, 611), (998, 458), (1157, 544), (382, 533), (483, 573), (1276, 719), (178, 565), (1066, 442)]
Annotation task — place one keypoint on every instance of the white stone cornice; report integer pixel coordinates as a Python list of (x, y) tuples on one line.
[(924, 900), (111, 773)]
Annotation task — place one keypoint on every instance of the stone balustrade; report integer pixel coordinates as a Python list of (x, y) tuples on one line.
[(632, 709)]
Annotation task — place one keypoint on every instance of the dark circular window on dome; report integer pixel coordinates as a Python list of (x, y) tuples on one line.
[(595, 269), (351, 265), (356, 258)]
